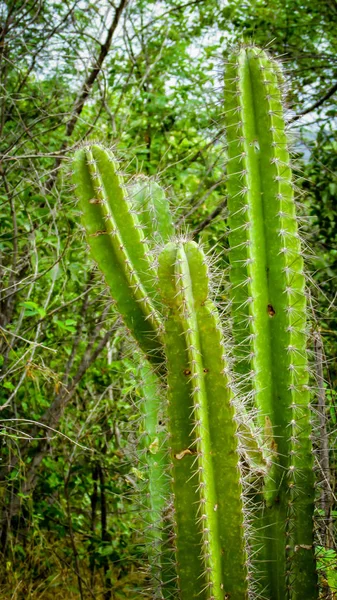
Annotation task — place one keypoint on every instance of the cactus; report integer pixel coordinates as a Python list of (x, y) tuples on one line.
[(148, 199), (117, 243), (155, 461), (269, 319), (208, 516), (196, 526)]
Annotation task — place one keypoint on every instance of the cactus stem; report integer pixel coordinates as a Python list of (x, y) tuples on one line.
[(268, 298), (195, 350), (116, 243)]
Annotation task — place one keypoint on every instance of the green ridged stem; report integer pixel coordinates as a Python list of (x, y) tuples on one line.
[(155, 458), (269, 316), (153, 210), (117, 244), (206, 485), (269, 322), (116, 239)]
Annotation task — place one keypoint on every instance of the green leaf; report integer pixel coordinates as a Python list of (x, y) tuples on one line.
[(32, 309)]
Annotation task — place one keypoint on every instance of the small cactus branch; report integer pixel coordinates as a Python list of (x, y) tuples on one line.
[(117, 244), (255, 449), (155, 458), (203, 436), (269, 312), (153, 210)]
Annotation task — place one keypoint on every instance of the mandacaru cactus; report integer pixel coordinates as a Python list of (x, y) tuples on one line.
[(211, 536), (269, 319)]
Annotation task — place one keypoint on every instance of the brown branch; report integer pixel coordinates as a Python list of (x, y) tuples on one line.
[(93, 504), (79, 328), (317, 104), (210, 218), (50, 418), (24, 285), (326, 495), (33, 62), (56, 409), (72, 537), (5, 29), (8, 307), (90, 80), (200, 201), (104, 531), (167, 12), (87, 87)]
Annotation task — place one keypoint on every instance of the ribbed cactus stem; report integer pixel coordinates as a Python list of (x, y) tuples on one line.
[(211, 558), (155, 459), (117, 243), (153, 210), (269, 314)]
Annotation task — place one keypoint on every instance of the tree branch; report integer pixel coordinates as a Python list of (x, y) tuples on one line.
[(317, 104), (87, 87), (96, 68), (326, 495), (210, 218), (51, 417)]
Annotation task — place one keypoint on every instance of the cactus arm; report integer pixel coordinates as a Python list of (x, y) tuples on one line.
[(153, 210), (187, 533), (125, 221), (269, 298), (224, 453), (191, 290), (223, 436), (115, 239), (155, 457), (200, 405)]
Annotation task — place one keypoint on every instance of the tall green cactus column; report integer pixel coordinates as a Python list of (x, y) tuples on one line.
[(269, 316), (149, 202), (208, 517)]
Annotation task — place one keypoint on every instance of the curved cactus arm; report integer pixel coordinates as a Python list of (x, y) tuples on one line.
[(269, 310), (152, 206), (203, 434), (117, 244)]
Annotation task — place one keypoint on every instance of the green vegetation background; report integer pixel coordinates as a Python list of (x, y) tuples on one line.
[(145, 76)]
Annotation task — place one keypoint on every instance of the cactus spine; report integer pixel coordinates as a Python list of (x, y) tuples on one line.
[(269, 316), (208, 519)]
